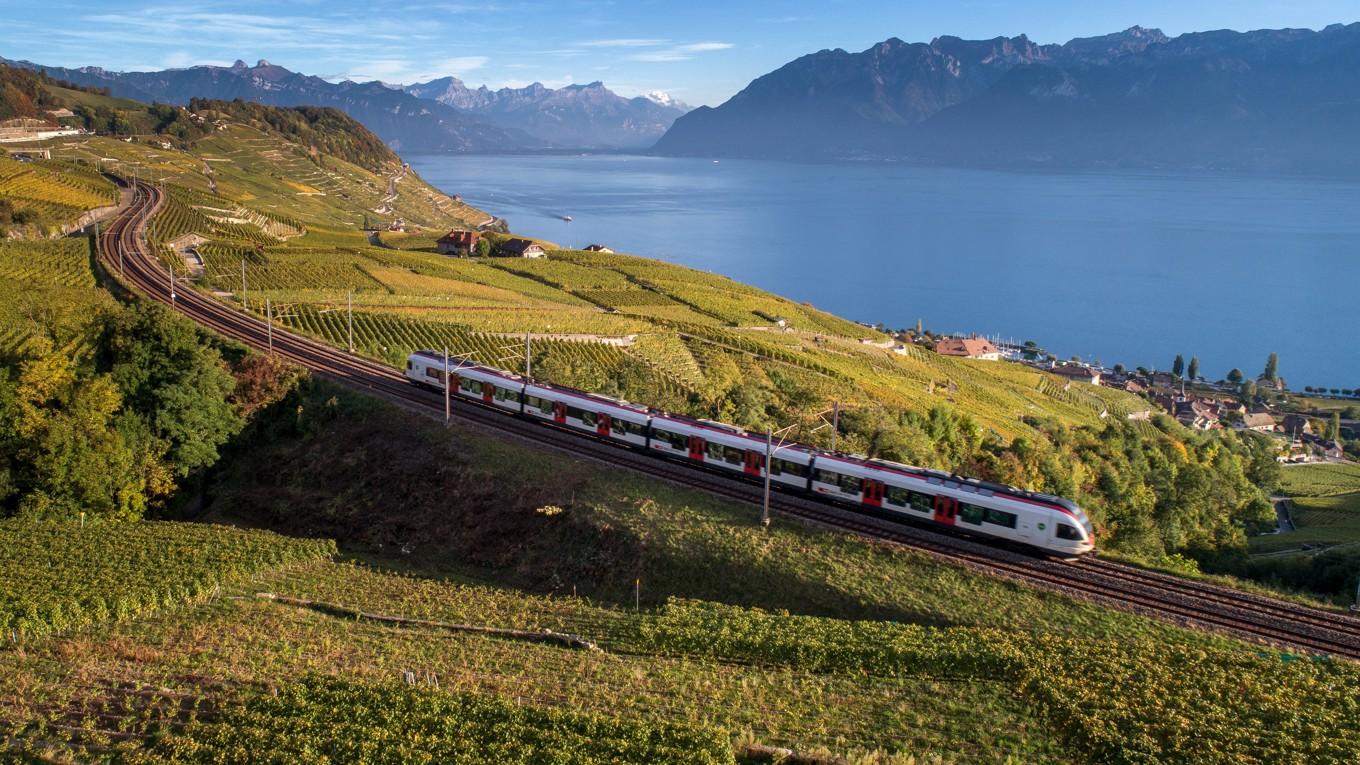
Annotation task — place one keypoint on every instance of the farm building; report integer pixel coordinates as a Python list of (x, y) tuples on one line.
[(598, 248), (968, 347), (457, 242), (520, 248), (1077, 372)]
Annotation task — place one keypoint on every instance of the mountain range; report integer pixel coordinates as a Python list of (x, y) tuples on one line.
[(439, 116), (588, 116), (1279, 100)]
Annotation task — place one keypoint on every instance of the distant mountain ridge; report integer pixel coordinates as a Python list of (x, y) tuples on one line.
[(582, 116), (1279, 100), (439, 116)]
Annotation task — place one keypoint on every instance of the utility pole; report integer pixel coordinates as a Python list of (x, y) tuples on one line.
[(765, 503), (527, 367), (447, 386), (1356, 606), (171, 268), (243, 285), (835, 423), (269, 324), (349, 312)]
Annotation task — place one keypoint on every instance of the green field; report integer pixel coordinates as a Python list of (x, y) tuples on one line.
[(856, 648), (47, 290), (59, 576), (1321, 479)]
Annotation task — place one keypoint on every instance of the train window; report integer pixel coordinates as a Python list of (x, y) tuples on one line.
[(850, 484), (432, 372), (779, 467), (715, 450), (897, 496), (620, 427), (409, 365), (675, 440), (504, 394), (922, 502), (1068, 532), (1000, 518), (466, 384), (734, 456), (826, 476), (971, 513), (589, 418)]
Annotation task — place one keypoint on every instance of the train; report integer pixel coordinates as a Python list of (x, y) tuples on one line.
[(884, 489)]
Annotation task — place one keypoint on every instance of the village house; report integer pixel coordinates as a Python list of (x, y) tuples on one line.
[(520, 248), (57, 114), (1257, 421), (599, 248), (457, 242), (1077, 372), (968, 348), (1133, 386), (1163, 379), (1333, 450), (1296, 425)]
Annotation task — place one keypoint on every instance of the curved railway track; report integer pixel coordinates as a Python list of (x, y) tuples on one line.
[(1263, 619)]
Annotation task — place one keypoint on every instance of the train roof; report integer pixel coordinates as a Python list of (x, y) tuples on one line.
[(722, 429), (945, 479), (595, 398), (459, 368)]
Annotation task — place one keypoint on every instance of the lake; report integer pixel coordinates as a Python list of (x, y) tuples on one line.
[(1113, 267)]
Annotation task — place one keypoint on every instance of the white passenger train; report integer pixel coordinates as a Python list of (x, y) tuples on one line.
[(884, 489)]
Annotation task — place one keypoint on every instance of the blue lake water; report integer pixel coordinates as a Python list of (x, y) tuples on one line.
[(1116, 267)]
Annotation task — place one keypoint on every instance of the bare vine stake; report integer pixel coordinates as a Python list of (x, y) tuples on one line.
[(637, 595)]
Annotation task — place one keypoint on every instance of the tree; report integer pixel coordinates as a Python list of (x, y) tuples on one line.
[(1272, 369), (483, 248), (1334, 427), (1307, 389), (1178, 366), (178, 384), (1193, 371), (1235, 376), (1249, 392), (1119, 369)]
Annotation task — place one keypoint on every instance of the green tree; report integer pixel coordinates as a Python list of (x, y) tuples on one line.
[(1178, 366), (1334, 427), (170, 377), (483, 248), (1235, 376), (1272, 369), (1193, 371)]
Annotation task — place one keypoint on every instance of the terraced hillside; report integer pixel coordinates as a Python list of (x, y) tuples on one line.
[(48, 290)]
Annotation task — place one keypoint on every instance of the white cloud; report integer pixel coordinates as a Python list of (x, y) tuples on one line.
[(679, 52), (624, 42), (406, 71), (705, 46)]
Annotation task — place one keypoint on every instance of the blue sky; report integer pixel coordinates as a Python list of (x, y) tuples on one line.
[(701, 51)]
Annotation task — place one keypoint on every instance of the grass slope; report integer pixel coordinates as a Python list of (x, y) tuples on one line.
[(856, 647)]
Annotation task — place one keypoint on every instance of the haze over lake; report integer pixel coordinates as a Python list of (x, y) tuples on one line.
[(1116, 267)]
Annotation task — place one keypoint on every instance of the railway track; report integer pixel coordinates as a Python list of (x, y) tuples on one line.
[(123, 252)]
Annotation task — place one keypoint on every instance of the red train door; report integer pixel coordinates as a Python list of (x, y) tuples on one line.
[(559, 412), (945, 509), (873, 492), (602, 425), (755, 462), (696, 448), (488, 391)]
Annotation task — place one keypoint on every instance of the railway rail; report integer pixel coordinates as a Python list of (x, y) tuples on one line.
[(124, 254)]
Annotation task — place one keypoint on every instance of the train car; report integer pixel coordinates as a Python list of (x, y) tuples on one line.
[(1002, 512), (491, 386), (587, 412), (730, 449)]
